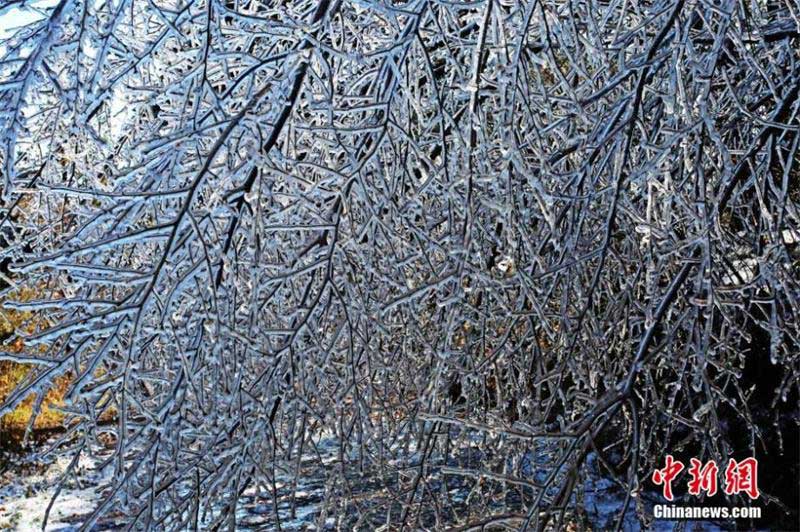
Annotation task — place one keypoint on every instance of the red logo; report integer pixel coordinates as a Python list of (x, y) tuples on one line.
[(667, 475), (703, 479), (739, 477), (742, 477)]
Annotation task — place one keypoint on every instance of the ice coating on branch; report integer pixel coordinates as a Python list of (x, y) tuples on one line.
[(441, 250)]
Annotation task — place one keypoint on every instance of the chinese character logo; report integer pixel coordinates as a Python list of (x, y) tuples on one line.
[(704, 479), (739, 477), (742, 477), (664, 477)]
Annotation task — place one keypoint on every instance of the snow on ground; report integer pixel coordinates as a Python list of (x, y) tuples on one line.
[(26, 490)]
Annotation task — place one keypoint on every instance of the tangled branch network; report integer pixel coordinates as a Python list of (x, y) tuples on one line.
[(438, 255)]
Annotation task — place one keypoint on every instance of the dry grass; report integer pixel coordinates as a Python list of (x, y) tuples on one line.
[(13, 373)]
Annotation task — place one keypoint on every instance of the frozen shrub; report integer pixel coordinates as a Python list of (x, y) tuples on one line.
[(470, 243)]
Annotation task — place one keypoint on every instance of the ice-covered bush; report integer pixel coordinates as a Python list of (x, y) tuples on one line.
[(472, 243)]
